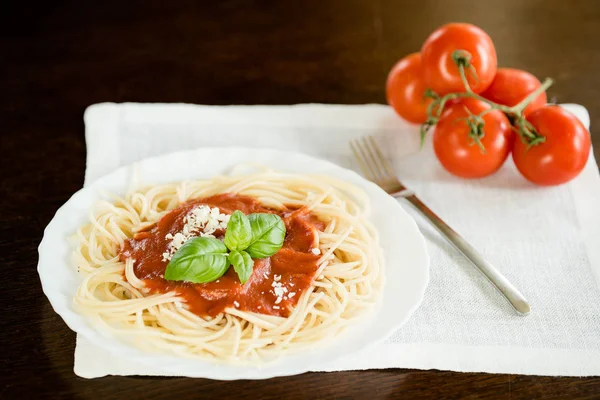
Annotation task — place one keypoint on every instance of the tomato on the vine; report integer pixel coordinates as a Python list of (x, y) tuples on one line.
[(457, 150), (562, 155), (405, 89), (510, 86), (439, 68)]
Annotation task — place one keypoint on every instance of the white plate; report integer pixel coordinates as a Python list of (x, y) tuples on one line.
[(406, 261)]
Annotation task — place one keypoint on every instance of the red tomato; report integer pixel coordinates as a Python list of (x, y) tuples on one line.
[(510, 86), (440, 70), (457, 151), (564, 153), (405, 89)]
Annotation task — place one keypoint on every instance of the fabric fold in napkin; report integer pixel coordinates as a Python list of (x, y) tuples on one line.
[(544, 240)]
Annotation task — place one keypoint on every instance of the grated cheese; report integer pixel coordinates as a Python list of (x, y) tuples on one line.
[(201, 221), (279, 290)]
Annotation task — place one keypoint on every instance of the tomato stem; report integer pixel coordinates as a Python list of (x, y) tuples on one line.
[(429, 93), (527, 133), (425, 128), (523, 128), (463, 78), (476, 131), (518, 109), (462, 59)]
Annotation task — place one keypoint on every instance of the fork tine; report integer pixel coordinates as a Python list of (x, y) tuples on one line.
[(372, 157), (357, 150), (383, 162)]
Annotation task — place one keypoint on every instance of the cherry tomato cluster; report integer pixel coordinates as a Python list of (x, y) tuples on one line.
[(481, 113)]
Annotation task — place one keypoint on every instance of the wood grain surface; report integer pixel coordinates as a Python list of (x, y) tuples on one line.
[(59, 57)]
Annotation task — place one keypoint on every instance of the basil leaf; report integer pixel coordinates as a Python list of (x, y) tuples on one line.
[(199, 260), (238, 234), (268, 233), (242, 264)]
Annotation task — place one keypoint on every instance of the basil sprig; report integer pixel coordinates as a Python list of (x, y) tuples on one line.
[(199, 260), (204, 259), (268, 233), (242, 264), (239, 232)]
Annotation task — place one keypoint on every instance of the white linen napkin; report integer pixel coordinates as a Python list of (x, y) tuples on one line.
[(545, 240)]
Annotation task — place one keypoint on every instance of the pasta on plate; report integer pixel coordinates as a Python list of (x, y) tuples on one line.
[(160, 271)]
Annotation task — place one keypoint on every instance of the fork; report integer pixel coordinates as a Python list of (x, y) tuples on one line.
[(378, 170)]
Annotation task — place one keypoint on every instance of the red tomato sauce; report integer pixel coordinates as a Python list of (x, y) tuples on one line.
[(292, 268)]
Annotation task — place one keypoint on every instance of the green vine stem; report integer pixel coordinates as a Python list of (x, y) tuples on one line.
[(462, 59), (523, 128)]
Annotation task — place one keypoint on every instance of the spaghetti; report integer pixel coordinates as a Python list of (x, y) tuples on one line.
[(345, 283)]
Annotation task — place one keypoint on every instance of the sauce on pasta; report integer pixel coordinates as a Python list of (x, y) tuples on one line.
[(276, 282)]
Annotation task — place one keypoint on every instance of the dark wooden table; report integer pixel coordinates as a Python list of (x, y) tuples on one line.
[(56, 59)]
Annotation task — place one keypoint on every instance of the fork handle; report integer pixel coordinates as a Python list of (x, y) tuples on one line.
[(514, 297)]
